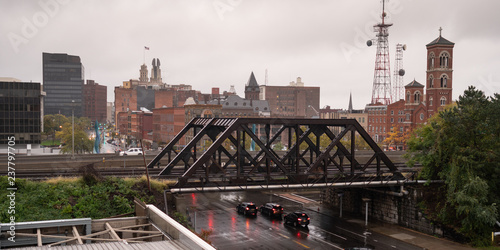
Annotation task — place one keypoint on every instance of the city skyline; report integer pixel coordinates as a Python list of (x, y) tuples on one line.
[(219, 43)]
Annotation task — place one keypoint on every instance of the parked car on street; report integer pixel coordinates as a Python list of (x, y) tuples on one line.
[(132, 151), (272, 209), (247, 208), (297, 218)]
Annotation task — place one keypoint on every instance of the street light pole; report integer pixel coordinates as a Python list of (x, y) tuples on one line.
[(73, 127)]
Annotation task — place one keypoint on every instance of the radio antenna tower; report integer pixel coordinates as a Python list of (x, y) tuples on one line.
[(381, 92), (398, 90)]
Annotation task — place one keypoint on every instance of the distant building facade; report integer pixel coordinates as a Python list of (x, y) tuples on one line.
[(110, 112), (167, 123), (20, 112), (95, 101), (293, 100), (63, 77)]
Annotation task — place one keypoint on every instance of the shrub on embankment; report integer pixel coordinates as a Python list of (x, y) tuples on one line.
[(83, 197)]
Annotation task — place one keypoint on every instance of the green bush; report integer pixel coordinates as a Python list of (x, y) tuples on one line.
[(73, 198)]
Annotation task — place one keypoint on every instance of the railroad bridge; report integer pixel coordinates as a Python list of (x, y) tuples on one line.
[(237, 153)]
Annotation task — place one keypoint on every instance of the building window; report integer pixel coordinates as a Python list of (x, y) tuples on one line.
[(444, 81), (431, 61), (444, 60), (392, 112), (443, 101), (392, 120), (430, 101), (401, 129), (417, 97), (408, 96), (431, 82), (421, 116), (407, 117)]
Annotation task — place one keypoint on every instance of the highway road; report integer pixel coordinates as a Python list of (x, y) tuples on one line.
[(216, 211)]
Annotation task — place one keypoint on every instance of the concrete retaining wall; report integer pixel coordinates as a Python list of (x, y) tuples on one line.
[(385, 205)]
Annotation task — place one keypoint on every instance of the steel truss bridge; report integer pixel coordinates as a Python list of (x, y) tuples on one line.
[(219, 154)]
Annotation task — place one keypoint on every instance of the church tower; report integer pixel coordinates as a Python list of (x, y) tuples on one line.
[(252, 89), (439, 74)]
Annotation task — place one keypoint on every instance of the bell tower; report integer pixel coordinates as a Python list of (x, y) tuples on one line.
[(439, 74)]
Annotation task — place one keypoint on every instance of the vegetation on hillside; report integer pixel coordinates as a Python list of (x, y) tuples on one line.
[(461, 146), (84, 197)]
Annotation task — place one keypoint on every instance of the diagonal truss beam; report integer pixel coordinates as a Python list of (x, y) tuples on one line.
[(305, 160)]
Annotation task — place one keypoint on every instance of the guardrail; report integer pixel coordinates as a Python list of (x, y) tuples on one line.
[(176, 230)]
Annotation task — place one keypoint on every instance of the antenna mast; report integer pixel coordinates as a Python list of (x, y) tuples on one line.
[(398, 90), (381, 92)]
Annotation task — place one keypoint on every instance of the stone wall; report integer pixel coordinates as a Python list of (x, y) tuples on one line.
[(388, 205)]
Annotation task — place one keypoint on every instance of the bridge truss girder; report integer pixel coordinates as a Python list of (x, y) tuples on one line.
[(317, 151)]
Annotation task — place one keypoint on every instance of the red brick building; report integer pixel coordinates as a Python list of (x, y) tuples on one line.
[(95, 101), (421, 101), (167, 123), (125, 100), (293, 100)]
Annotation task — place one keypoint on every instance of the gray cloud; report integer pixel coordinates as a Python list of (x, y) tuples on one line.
[(217, 43)]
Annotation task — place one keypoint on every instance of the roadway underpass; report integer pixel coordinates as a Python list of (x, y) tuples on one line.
[(216, 211)]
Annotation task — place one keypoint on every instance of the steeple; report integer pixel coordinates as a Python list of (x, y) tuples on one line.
[(350, 103), (252, 89)]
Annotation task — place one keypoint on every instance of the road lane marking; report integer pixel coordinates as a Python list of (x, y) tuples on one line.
[(301, 244), (336, 235), (362, 236), (302, 197), (326, 242), (282, 235), (290, 199)]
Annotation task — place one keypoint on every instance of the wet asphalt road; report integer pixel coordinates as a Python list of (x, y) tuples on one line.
[(230, 230)]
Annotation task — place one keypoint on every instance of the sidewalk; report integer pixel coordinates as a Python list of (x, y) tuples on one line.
[(395, 231)]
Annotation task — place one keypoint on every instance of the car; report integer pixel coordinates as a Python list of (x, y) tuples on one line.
[(272, 209), (247, 208), (297, 218), (132, 151)]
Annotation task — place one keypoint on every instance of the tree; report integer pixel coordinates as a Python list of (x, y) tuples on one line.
[(83, 144), (396, 138), (461, 146), (53, 123)]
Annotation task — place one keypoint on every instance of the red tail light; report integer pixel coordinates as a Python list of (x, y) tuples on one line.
[(247, 208), (308, 218), (299, 219), (274, 209)]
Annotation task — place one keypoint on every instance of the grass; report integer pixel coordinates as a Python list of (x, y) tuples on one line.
[(77, 197), (51, 143)]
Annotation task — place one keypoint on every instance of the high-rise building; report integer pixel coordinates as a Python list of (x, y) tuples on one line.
[(63, 76), (20, 112), (95, 96)]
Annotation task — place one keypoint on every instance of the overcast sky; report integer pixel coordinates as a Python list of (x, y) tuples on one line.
[(218, 43)]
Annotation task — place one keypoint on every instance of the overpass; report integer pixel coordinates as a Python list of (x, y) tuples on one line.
[(219, 154)]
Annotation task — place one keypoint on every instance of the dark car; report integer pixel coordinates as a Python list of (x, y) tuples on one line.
[(272, 209), (247, 208), (297, 218)]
